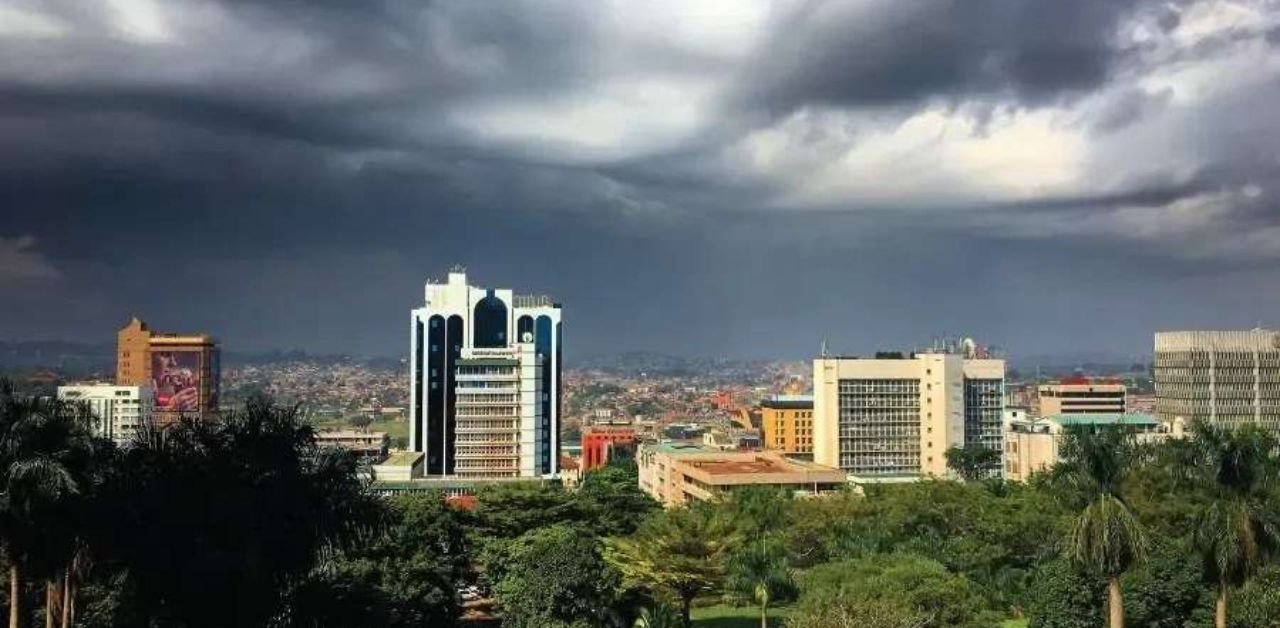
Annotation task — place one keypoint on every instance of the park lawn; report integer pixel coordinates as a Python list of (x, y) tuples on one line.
[(724, 616)]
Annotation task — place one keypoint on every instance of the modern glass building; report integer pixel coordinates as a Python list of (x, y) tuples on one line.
[(484, 381)]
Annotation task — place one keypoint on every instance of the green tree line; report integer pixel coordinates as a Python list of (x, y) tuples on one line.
[(246, 522)]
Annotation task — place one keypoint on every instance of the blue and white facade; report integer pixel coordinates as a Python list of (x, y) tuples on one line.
[(484, 381)]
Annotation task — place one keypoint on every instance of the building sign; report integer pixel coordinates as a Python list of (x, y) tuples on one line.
[(492, 353), (175, 378)]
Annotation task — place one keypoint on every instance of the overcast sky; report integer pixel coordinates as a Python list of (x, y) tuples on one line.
[(713, 178)]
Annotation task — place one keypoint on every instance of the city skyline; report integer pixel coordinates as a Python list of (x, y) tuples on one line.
[(732, 179)]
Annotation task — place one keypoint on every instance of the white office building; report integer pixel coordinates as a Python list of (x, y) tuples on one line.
[(119, 411), (893, 418), (484, 379), (1227, 378)]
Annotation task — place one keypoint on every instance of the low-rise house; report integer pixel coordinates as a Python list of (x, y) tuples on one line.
[(675, 473)]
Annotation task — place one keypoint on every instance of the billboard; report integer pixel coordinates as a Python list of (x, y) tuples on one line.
[(175, 378)]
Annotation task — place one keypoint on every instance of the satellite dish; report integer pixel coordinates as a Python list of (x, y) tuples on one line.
[(526, 337)]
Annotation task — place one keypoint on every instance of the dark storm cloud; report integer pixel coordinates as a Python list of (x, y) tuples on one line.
[(287, 173), (841, 54)]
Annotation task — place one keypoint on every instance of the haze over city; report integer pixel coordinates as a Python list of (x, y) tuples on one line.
[(726, 178)]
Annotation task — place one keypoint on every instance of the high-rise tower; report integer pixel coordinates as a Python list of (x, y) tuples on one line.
[(484, 381)]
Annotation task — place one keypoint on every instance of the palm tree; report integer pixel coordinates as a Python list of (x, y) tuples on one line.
[(44, 454), (1106, 537), (1236, 533), (760, 572)]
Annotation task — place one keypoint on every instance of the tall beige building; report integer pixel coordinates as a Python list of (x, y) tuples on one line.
[(1081, 395), (1222, 377), (892, 419)]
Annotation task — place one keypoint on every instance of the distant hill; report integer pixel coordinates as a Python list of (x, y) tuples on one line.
[(78, 359), (72, 358), (636, 362)]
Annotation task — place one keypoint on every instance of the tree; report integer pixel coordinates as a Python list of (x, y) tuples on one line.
[(1106, 536), (682, 551), (760, 572), (757, 511), (555, 577), (46, 452), (215, 523), (1237, 527), (1062, 597), (973, 462), (849, 613), (657, 615), (612, 499), (361, 421), (917, 587), (406, 576), (1167, 590), (510, 509), (1258, 602)]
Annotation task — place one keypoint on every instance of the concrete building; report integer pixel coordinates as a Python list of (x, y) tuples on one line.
[(731, 439), (368, 445), (1081, 395), (183, 371), (1221, 377), (1032, 445), (484, 381), (675, 473), (787, 423), (893, 418), (403, 466), (120, 412), (602, 443)]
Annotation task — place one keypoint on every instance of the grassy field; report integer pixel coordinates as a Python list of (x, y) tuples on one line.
[(1014, 623), (722, 616)]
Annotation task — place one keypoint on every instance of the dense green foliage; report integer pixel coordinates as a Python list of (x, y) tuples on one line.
[(911, 585), (246, 522), (973, 462), (554, 577)]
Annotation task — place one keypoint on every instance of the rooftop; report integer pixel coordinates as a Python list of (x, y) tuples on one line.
[(1067, 420), (402, 459), (352, 434), (682, 448), (755, 467), (730, 467), (788, 402)]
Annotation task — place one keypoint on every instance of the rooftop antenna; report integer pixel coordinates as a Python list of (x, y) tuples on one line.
[(824, 347)]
